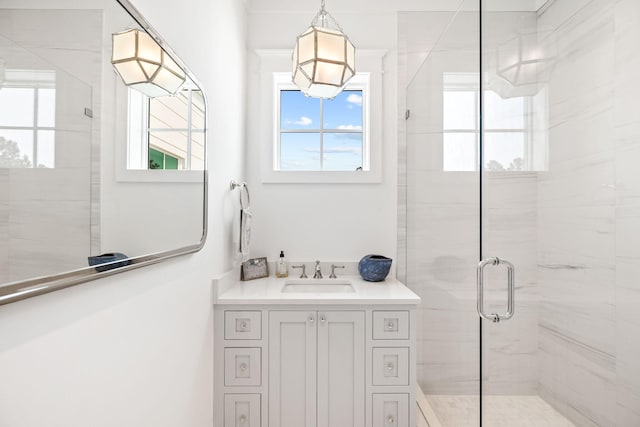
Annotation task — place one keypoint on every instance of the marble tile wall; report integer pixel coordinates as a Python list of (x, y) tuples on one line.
[(586, 216)]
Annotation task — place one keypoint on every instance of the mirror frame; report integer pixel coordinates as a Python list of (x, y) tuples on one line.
[(29, 288)]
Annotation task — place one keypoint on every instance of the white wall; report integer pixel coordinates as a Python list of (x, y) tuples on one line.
[(330, 222), (136, 349)]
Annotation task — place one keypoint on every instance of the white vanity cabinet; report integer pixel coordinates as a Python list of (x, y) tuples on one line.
[(316, 368), (314, 358)]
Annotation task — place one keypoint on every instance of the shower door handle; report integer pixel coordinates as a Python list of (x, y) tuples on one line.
[(494, 317)]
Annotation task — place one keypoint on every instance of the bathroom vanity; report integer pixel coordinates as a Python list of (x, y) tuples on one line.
[(306, 353)]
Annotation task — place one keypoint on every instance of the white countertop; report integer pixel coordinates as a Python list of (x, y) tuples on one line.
[(269, 291)]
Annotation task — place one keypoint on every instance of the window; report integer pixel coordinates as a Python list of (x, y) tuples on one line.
[(325, 135), (166, 132), (507, 130), (27, 119)]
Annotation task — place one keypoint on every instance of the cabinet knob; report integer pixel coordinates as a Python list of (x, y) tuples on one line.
[(390, 366), (311, 319), (243, 325), (390, 325), (242, 419), (243, 367), (322, 318), (390, 419)]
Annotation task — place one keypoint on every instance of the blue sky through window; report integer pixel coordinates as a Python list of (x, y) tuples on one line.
[(341, 149)]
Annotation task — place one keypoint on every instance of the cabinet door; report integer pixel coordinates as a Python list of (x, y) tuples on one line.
[(341, 369), (292, 368)]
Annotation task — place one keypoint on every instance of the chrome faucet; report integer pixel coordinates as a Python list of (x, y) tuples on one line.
[(318, 272), (333, 271), (304, 270)]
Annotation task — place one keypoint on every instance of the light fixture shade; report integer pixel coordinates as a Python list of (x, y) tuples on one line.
[(143, 65), (323, 61)]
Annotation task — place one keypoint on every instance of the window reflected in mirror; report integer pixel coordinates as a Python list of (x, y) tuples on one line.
[(166, 132), (27, 118)]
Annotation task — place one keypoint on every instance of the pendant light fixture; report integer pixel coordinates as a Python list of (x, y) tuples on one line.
[(143, 65), (323, 57)]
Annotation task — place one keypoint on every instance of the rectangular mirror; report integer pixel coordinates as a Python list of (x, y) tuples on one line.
[(102, 146)]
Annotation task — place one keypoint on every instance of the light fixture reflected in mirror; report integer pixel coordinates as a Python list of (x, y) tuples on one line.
[(323, 58), (143, 65)]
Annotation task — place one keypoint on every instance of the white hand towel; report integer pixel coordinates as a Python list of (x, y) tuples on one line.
[(245, 233)]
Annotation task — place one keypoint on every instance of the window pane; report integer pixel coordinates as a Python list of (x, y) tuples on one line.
[(344, 111), (459, 152), (504, 151), (16, 148), (46, 149), (297, 111), (197, 151), (16, 106), (300, 151), (170, 142), (503, 113), (47, 107), (459, 110), (169, 112), (342, 151)]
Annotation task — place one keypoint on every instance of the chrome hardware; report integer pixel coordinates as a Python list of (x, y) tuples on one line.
[(322, 318), (311, 319), (390, 326), (318, 272), (243, 367), (390, 366), (494, 317), (304, 270), (333, 271), (243, 325), (242, 419), (390, 419)]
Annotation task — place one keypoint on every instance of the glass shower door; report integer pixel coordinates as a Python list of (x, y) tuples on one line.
[(442, 205)]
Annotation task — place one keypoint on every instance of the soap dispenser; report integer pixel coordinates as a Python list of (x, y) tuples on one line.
[(281, 266)]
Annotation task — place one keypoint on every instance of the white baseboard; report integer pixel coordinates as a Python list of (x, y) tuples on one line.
[(425, 412)]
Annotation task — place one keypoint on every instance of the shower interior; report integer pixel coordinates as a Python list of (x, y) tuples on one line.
[(536, 164)]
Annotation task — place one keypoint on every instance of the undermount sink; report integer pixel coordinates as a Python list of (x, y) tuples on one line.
[(324, 286)]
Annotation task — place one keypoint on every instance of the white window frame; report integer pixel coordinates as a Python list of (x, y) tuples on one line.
[(277, 63), (124, 132), (282, 82)]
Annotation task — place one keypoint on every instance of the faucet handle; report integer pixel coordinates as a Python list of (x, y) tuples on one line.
[(333, 271), (304, 270)]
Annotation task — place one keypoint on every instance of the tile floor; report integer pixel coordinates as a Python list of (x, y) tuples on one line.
[(499, 411)]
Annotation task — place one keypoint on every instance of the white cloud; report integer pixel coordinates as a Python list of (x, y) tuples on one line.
[(355, 99), (350, 127), (304, 121)]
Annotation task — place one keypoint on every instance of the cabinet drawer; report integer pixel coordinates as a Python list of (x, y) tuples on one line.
[(241, 410), (242, 366), (390, 325), (390, 410), (242, 325), (390, 366)]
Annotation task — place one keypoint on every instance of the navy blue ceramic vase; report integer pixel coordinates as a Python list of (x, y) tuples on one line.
[(374, 268)]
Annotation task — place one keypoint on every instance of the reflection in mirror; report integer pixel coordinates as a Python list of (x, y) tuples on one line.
[(90, 165)]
